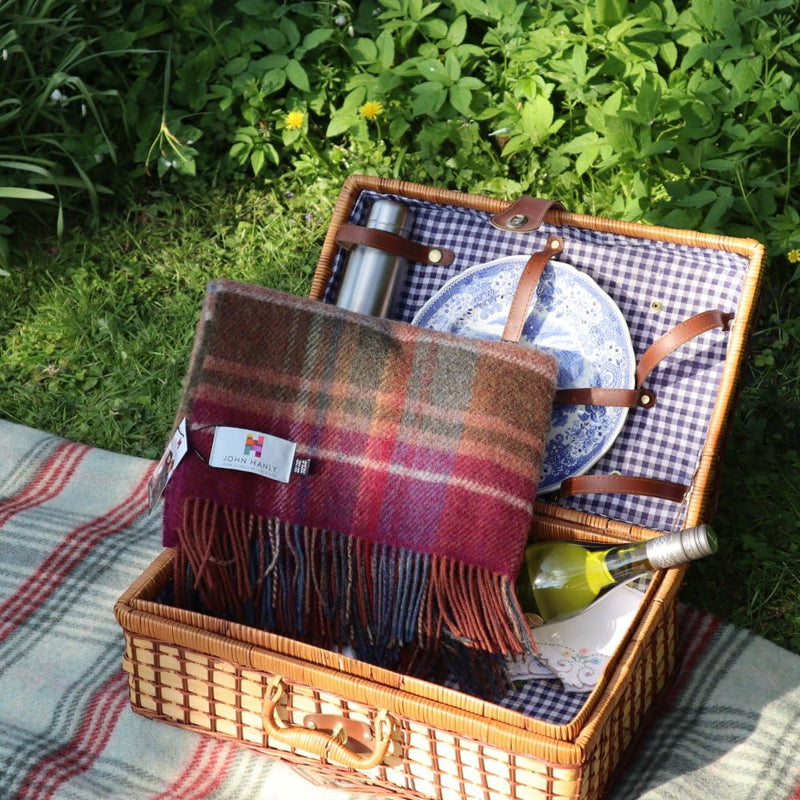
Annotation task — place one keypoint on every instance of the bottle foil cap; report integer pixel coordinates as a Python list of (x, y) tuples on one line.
[(682, 546)]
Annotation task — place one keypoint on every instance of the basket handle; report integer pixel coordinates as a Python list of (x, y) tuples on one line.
[(324, 746)]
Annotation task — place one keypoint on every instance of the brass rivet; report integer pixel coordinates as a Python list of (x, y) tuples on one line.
[(646, 400), (311, 725), (435, 255), (555, 245), (517, 221)]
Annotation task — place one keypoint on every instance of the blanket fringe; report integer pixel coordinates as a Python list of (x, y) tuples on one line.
[(395, 607)]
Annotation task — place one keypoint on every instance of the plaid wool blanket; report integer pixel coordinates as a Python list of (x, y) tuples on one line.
[(75, 533), (407, 526)]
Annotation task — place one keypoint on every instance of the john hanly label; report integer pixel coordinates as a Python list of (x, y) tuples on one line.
[(250, 451)]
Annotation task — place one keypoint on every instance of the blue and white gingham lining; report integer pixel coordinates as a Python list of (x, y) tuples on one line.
[(545, 700), (656, 285)]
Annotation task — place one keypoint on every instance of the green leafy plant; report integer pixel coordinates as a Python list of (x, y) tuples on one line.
[(680, 113), (53, 122)]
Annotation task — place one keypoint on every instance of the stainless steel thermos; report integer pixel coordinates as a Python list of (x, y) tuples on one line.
[(373, 279)]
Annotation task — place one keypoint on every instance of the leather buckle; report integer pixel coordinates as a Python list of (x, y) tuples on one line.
[(525, 215)]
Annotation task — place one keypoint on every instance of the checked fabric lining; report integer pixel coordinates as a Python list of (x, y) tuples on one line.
[(656, 285)]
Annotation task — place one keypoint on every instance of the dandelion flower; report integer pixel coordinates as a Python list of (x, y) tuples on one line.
[(793, 256), (372, 109), (294, 120)]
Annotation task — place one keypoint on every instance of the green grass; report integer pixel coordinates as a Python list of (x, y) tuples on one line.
[(95, 337)]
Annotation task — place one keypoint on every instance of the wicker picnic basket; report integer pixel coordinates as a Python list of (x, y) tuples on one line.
[(352, 725)]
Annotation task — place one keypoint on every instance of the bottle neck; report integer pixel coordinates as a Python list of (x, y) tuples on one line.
[(627, 561), (662, 552)]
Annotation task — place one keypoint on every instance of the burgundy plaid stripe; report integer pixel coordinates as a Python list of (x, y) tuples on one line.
[(91, 737), (211, 761), (47, 483), (69, 553)]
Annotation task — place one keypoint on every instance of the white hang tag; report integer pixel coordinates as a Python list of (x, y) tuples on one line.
[(177, 448), (249, 451)]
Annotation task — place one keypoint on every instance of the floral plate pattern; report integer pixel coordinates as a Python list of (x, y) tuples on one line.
[(570, 317)]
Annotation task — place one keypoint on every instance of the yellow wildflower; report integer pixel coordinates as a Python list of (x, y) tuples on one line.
[(371, 109), (294, 120), (793, 256)]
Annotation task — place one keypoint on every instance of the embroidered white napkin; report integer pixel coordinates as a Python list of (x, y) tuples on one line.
[(577, 649)]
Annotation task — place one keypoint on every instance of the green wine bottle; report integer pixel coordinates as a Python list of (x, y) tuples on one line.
[(558, 579)]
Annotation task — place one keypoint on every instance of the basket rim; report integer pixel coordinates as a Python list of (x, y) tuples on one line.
[(354, 184)]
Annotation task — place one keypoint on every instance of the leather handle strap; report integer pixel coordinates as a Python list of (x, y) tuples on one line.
[(526, 286), (600, 396), (524, 215), (326, 747), (623, 484), (682, 333), (349, 235)]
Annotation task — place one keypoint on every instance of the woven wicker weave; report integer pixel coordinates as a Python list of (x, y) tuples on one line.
[(419, 739)]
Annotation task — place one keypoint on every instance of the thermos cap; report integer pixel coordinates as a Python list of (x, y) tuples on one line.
[(389, 216)]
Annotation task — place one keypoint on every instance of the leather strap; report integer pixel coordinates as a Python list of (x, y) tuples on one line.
[(623, 484), (525, 215), (349, 731), (665, 345), (349, 235), (600, 396), (683, 332), (526, 287)]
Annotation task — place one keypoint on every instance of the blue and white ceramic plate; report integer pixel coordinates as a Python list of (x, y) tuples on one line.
[(570, 317)]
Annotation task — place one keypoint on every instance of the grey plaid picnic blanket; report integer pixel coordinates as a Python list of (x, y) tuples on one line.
[(75, 532)]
